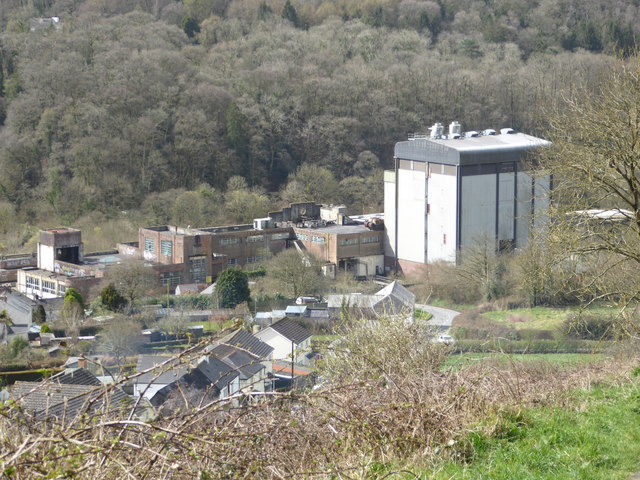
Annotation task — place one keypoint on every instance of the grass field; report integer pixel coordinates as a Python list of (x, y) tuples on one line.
[(563, 359), (421, 315), (542, 318), (598, 438)]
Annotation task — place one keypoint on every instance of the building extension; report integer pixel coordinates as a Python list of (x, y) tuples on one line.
[(448, 192)]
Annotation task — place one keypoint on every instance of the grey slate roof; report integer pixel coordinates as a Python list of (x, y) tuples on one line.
[(243, 339), (291, 330), (68, 394), (207, 371), (246, 364)]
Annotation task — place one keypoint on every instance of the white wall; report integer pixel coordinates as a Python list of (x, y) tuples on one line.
[(412, 201), (281, 346), (441, 220), (389, 212), (366, 266), (46, 257)]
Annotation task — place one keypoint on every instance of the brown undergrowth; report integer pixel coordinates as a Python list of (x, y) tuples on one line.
[(341, 430)]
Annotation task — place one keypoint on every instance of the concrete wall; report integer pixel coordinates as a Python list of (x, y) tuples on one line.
[(411, 216)]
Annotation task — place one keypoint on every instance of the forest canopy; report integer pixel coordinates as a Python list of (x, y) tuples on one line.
[(154, 107)]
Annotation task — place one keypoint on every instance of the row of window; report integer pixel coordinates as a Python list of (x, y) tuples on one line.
[(171, 278), (47, 285), (166, 246), (343, 241)]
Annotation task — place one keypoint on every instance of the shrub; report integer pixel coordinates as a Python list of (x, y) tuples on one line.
[(589, 327)]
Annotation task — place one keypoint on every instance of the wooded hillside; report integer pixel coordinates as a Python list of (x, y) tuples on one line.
[(152, 106)]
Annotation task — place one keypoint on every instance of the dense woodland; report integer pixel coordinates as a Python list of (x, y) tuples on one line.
[(211, 111)]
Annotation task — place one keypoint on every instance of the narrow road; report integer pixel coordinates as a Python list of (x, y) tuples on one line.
[(442, 317)]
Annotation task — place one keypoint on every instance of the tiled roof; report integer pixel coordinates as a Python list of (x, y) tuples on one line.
[(170, 372), (244, 362), (243, 339), (291, 330), (212, 370), (68, 394)]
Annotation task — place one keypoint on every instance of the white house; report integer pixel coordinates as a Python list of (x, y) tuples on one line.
[(287, 338), (447, 191)]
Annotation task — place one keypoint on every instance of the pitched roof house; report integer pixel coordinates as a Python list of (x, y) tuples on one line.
[(207, 377), (288, 337), (68, 394)]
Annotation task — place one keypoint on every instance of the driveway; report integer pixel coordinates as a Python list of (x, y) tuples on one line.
[(442, 317)]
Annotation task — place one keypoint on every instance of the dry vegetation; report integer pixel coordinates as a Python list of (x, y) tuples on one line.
[(388, 413)]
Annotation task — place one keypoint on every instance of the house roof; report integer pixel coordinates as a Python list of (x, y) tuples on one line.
[(215, 371), (291, 330), (165, 374), (243, 339), (246, 364), (295, 309), (395, 289), (68, 394)]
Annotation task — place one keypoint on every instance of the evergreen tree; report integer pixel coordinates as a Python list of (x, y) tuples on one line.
[(111, 298), (232, 288), (289, 13), (38, 315)]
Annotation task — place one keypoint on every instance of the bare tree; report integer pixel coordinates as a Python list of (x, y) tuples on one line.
[(595, 163), (121, 338), (133, 280)]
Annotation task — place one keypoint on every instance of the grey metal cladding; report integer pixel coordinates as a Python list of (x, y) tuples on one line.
[(426, 151)]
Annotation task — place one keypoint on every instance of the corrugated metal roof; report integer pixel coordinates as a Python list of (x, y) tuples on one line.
[(469, 151)]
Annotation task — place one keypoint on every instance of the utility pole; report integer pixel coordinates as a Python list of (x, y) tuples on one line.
[(293, 361)]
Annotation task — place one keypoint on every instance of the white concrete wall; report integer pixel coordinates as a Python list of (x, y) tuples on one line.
[(281, 346), (412, 204), (46, 257), (389, 212), (441, 220), (478, 210), (367, 265)]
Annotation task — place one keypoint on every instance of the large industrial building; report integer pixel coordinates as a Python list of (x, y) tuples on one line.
[(449, 191)]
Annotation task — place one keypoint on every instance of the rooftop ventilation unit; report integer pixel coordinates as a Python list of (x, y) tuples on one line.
[(470, 134), (507, 131), (489, 131), (455, 129), (436, 130)]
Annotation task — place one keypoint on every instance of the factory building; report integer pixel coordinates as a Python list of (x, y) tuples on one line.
[(449, 191)]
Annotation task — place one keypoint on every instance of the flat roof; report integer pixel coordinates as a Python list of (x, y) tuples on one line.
[(336, 229), (469, 150)]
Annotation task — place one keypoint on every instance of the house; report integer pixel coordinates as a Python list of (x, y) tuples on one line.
[(392, 300), (251, 372), (169, 378), (68, 394), (448, 191), (289, 340), (251, 357)]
